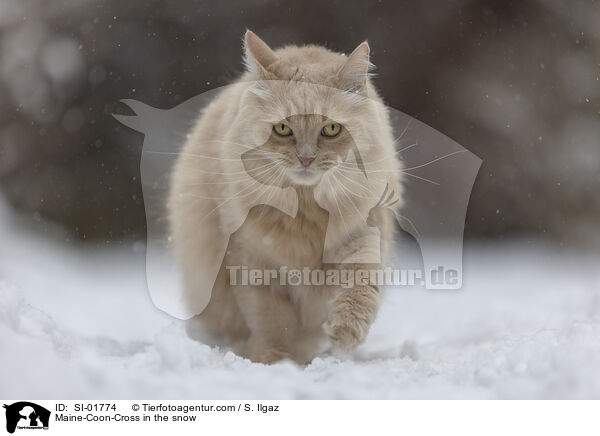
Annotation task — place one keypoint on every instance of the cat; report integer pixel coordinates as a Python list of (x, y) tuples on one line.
[(293, 117)]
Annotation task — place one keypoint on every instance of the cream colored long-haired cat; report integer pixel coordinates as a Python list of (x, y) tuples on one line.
[(304, 120)]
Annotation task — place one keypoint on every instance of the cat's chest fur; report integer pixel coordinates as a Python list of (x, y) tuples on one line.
[(269, 238)]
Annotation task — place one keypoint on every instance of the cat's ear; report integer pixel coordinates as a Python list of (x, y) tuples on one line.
[(353, 74), (258, 56)]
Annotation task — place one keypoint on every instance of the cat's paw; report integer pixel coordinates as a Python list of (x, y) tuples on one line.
[(268, 356), (345, 330), (260, 351)]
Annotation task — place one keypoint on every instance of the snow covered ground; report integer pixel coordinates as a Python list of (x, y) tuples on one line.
[(77, 323)]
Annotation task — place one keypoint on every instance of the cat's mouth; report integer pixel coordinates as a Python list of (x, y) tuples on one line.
[(305, 176)]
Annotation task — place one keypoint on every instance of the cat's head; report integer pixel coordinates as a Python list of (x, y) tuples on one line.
[(307, 111)]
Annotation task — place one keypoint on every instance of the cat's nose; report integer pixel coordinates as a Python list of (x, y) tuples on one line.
[(306, 161)]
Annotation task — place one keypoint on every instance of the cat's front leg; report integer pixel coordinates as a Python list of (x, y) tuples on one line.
[(272, 322), (352, 313)]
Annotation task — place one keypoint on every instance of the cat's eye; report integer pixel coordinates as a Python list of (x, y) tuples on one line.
[(331, 130), (282, 129)]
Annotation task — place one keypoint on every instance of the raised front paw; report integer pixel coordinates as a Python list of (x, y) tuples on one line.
[(346, 330), (353, 312)]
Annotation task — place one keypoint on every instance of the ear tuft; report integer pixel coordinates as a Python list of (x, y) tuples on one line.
[(258, 56), (354, 73)]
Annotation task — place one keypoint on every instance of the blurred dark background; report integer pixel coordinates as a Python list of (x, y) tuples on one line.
[(515, 82)]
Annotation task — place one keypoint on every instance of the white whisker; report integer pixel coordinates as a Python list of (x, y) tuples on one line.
[(338, 208), (201, 156), (435, 160), (346, 195)]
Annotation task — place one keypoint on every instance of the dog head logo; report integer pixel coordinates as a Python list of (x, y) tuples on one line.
[(26, 415)]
